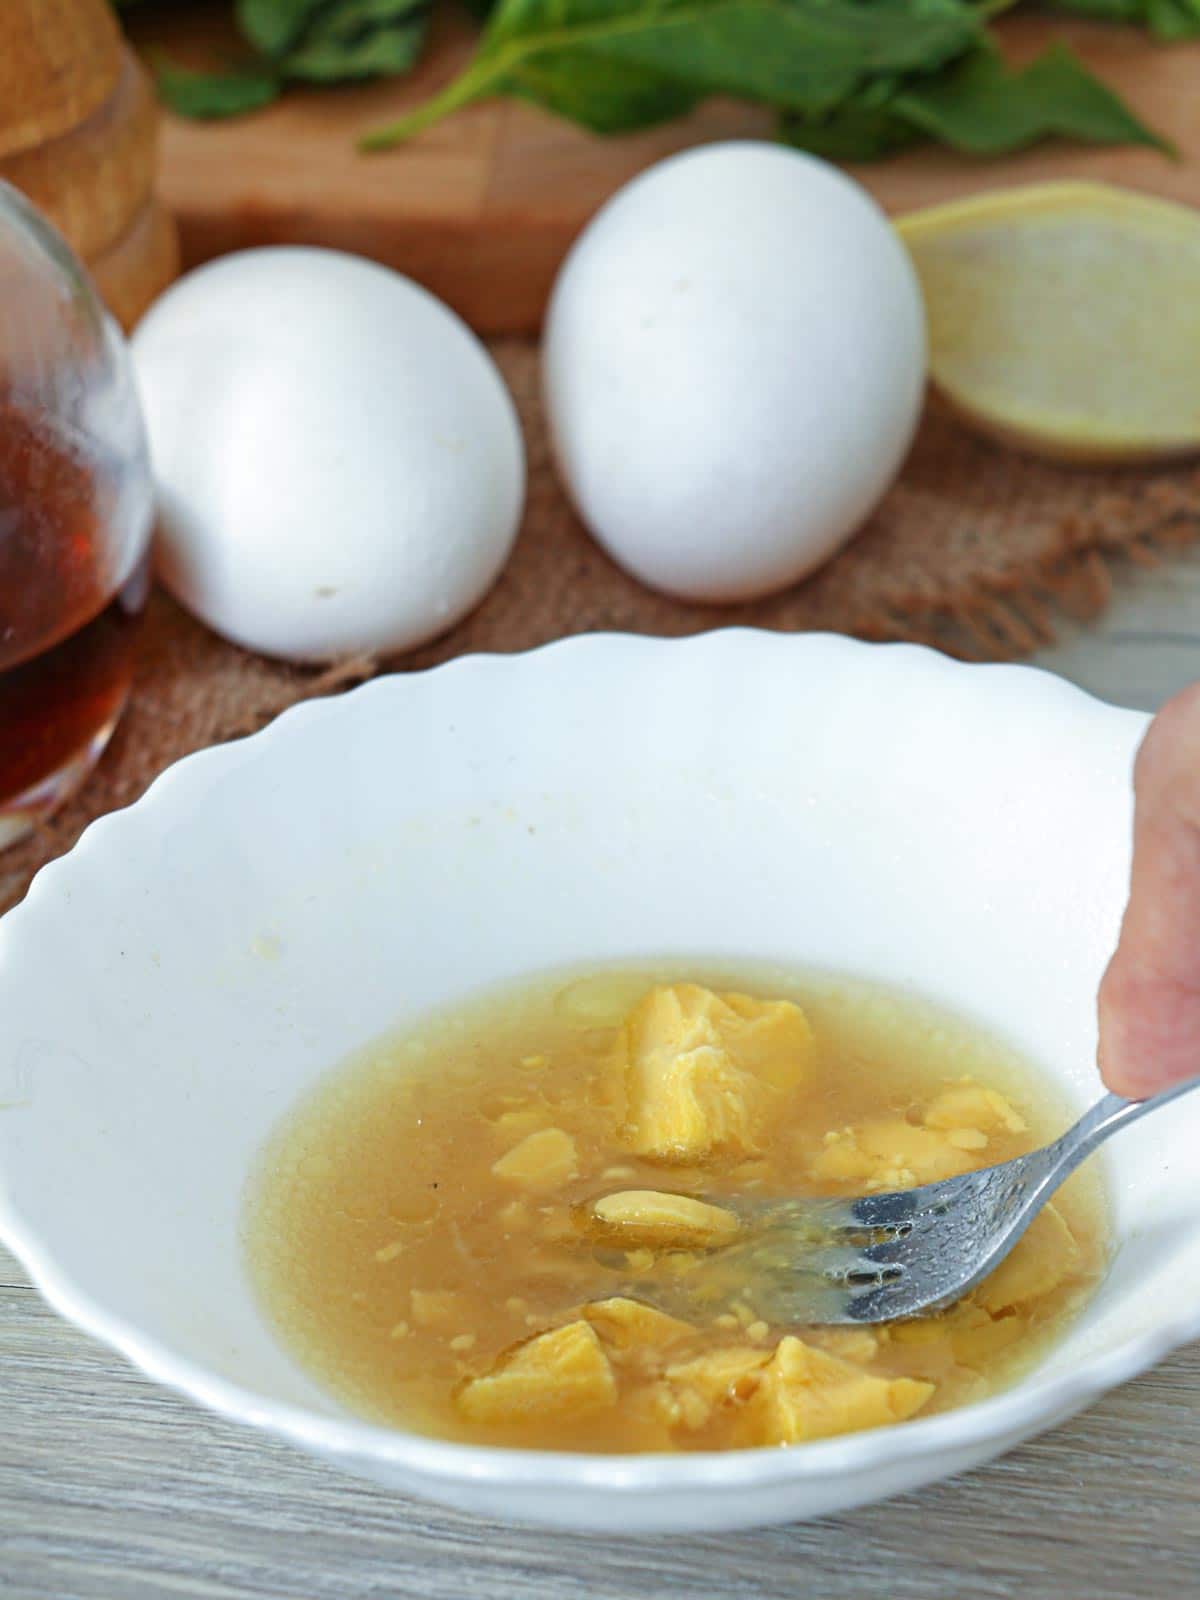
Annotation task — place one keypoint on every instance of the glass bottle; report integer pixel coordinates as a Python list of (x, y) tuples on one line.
[(75, 519)]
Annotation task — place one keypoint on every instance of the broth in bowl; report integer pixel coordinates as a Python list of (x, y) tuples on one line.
[(448, 1234)]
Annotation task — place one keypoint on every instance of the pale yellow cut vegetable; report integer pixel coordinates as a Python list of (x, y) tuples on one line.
[(648, 1216), (889, 1153), (541, 1161), (702, 1074), (719, 1377), (976, 1338), (629, 1325), (809, 1394), (561, 1373), (1065, 318), (1042, 1258), (850, 1344), (970, 1107)]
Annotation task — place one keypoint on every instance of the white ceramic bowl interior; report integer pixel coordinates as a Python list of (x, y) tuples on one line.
[(170, 988)]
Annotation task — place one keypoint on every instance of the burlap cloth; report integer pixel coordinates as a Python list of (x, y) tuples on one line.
[(975, 550)]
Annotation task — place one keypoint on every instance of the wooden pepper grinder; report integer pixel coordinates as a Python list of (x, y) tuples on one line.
[(79, 137)]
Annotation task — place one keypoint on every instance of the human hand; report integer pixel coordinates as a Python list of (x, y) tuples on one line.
[(1150, 994)]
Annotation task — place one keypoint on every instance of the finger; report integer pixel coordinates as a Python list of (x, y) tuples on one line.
[(1150, 995)]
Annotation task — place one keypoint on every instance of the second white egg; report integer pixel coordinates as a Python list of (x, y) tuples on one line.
[(734, 366)]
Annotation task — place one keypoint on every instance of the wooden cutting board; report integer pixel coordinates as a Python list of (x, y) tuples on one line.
[(482, 208)]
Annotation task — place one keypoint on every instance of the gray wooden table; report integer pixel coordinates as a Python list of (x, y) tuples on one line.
[(112, 1489)]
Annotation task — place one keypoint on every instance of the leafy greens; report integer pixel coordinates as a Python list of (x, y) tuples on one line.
[(978, 106), (319, 41), (848, 79), (851, 79), (1166, 19)]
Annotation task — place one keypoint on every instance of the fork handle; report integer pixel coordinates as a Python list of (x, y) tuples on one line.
[(1103, 1120)]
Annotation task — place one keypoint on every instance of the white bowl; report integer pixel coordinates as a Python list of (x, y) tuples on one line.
[(169, 988)]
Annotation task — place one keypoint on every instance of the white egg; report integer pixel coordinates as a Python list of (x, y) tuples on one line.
[(339, 464), (734, 366)]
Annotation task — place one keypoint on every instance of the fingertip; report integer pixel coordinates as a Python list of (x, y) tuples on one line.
[(1149, 1034), (1128, 1077)]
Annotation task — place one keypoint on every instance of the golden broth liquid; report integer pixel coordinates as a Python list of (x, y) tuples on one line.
[(397, 1266)]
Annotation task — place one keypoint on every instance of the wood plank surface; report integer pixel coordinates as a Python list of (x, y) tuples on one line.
[(113, 1489), (1143, 649), (482, 207)]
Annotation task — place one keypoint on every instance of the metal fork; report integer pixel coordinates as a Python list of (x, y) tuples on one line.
[(882, 1257)]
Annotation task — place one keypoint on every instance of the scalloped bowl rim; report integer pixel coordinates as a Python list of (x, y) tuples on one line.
[(1018, 1411)]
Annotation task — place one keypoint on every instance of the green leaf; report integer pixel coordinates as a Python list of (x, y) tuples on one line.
[(359, 39), (216, 94), (273, 27), (376, 55), (603, 95), (1166, 19), (982, 107), (978, 106), (795, 54), (1103, 10), (860, 129), (323, 41), (803, 53), (1173, 19)]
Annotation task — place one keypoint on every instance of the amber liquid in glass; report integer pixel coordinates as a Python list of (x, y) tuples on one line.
[(67, 625)]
